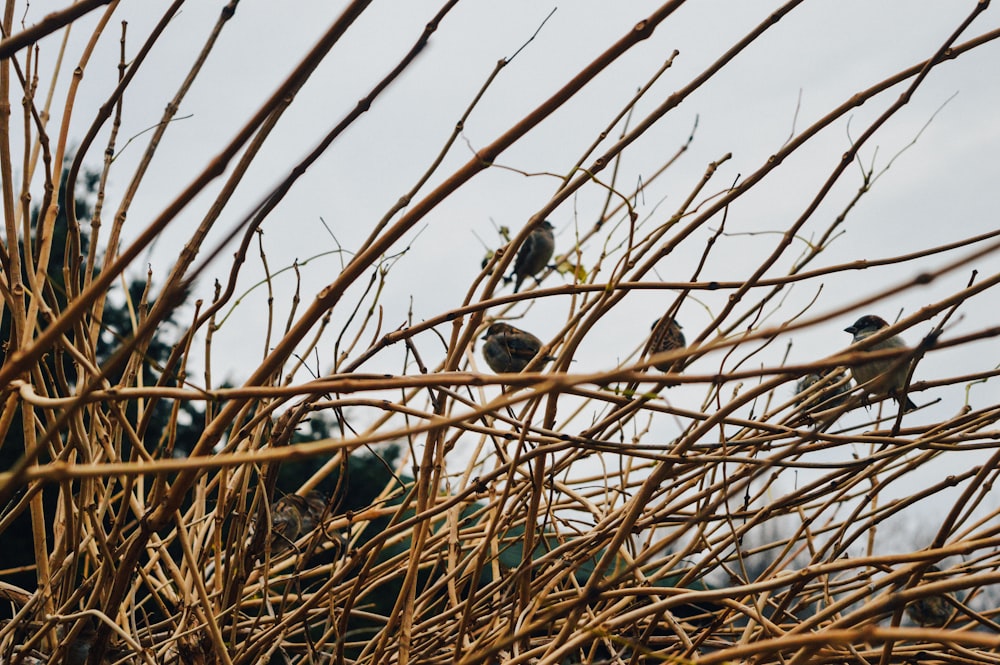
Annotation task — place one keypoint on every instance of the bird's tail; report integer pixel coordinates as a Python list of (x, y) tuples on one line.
[(908, 405)]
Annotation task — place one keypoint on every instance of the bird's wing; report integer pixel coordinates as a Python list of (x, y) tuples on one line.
[(521, 348), (524, 252)]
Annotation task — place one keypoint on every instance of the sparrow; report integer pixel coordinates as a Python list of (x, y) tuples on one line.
[(293, 516), (667, 337), (79, 649), (832, 392), (887, 375), (534, 254), (508, 349), (933, 610)]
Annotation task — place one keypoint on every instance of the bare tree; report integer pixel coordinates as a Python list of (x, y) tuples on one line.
[(329, 508)]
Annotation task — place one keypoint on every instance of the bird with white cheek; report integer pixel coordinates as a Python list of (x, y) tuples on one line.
[(508, 349), (534, 254), (887, 375)]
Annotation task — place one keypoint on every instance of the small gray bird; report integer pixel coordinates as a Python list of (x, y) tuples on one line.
[(667, 337), (930, 611), (508, 349), (79, 649), (875, 376), (534, 254), (832, 392), (293, 515), (933, 610)]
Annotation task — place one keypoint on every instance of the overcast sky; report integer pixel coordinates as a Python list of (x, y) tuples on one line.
[(941, 188)]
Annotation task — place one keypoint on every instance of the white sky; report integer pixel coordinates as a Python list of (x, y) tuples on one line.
[(942, 188)]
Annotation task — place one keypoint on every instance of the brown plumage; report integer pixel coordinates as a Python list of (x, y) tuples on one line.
[(666, 337), (508, 349), (933, 610), (293, 516), (829, 394)]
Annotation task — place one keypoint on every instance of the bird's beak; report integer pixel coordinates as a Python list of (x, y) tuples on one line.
[(851, 329)]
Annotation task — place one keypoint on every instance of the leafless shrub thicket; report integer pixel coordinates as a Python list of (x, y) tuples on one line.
[(563, 514)]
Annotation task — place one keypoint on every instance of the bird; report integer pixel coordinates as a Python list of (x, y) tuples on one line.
[(930, 611), (667, 337), (508, 349), (78, 650), (887, 375), (832, 392), (933, 610), (294, 515), (534, 254)]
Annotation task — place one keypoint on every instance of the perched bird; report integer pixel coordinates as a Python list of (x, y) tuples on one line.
[(667, 337), (933, 610), (930, 611), (508, 349), (832, 392), (887, 375), (293, 516), (534, 254), (79, 649)]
